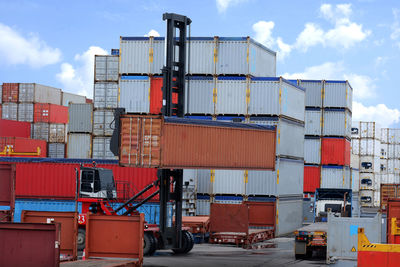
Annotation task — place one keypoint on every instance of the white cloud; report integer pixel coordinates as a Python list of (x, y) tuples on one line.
[(395, 26), (310, 36), (363, 86), (153, 33), (16, 49), (222, 5), (78, 77), (380, 113)]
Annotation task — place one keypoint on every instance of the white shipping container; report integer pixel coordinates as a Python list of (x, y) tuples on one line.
[(37, 93), (57, 133), (79, 146), (314, 90), (354, 161), (355, 180), (199, 95), (384, 151), (106, 68), (393, 166), (355, 130), (366, 198), (290, 217), (337, 122), (338, 94), (134, 94), (9, 111), (312, 151), (40, 131), (105, 95), (72, 98), (384, 166), (389, 178), (202, 205), (367, 180), (370, 147), (103, 124), (370, 164), (390, 136), (101, 148), (313, 121), (335, 177), (355, 146), (229, 182), (370, 130), (56, 150), (25, 112), (231, 96), (377, 198)]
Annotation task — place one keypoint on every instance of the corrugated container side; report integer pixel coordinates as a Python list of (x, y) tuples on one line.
[(370, 147), (229, 182), (103, 122), (57, 133), (355, 129), (291, 176), (312, 151), (105, 95), (15, 128), (313, 92), (79, 146), (338, 94), (370, 130), (201, 57), (134, 94), (261, 183), (290, 215), (202, 205), (41, 131), (106, 68), (292, 101), (199, 95), (56, 150), (10, 111), (72, 98), (335, 177), (156, 84), (26, 92), (355, 146), (226, 63), (262, 61), (337, 123), (10, 92), (50, 113), (47, 94), (25, 112), (312, 178), (335, 151), (101, 148), (231, 96), (313, 121), (158, 58), (202, 179), (23, 147), (354, 161), (355, 180), (1, 93), (80, 118), (393, 166)]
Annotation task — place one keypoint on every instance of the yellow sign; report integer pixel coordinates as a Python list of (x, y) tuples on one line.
[(353, 249)]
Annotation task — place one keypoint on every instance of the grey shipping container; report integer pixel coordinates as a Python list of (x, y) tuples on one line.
[(199, 95), (25, 112), (103, 122), (40, 131), (57, 133), (231, 96), (312, 151), (203, 205), (335, 177), (105, 95), (290, 214), (56, 150), (37, 93), (72, 98), (79, 146), (106, 68), (135, 94), (208, 55), (355, 204), (228, 182), (338, 94), (314, 90), (1, 93), (10, 111), (308, 210), (337, 122), (355, 180), (201, 177), (80, 118), (101, 148), (313, 122)]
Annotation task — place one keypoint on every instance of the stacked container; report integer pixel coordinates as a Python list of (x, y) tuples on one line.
[(366, 156), (80, 131), (105, 101)]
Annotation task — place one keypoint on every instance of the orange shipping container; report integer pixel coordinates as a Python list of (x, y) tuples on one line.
[(50, 113), (156, 142), (335, 151)]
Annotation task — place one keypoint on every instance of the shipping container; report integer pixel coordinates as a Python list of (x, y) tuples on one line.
[(390, 136), (354, 161), (68, 98), (355, 180), (389, 178), (10, 111), (370, 130), (103, 122), (228, 182), (393, 166), (101, 148), (312, 151), (314, 89), (377, 198), (338, 94), (40, 130), (366, 198), (10, 92), (134, 94), (152, 141), (335, 151), (25, 112), (79, 146), (15, 128), (337, 122), (106, 68), (201, 178), (115, 52), (57, 133), (367, 180), (50, 113), (355, 130), (156, 84), (274, 96), (313, 121), (384, 151), (199, 95), (80, 118), (22, 147), (355, 204), (312, 178), (56, 150), (1, 111), (37, 93), (223, 199), (370, 147), (231, 96), (289, 214), (202, 205), (335, 177), (388, 191), (355, 146), (370, 164), (1, 93), (105, 95)]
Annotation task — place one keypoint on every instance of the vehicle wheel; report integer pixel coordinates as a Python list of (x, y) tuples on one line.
[(299, 256), (309, 253), (190, 243), (81, 240), (185, 244), (149, 244), (154, 248)]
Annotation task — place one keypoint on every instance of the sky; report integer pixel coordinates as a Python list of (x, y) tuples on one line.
[(54, 42)]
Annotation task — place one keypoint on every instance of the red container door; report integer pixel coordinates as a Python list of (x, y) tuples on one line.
[(347, 152), (335, 151), (393, 211), (156, 95), (10, 92), (312, 178), (58, 114), (41, 113)]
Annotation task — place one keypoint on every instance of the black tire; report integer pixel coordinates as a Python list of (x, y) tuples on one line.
[(81, 239), (299, 256), (155, 242), (309, 253), (149, 244), (190, 243), (187, 243)]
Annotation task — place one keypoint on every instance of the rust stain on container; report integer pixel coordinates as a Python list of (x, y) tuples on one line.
[(7, 185), (388, 191), (261, 214), (151, 141), (393, 211), (115, 236), (29, 244), (229, 218), (69, 227)]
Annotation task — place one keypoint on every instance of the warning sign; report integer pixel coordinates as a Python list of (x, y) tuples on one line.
[(353, 249)]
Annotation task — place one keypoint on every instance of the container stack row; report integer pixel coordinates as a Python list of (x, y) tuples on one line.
[(45, 108), (80, 131), (366, 155), (327, 134)]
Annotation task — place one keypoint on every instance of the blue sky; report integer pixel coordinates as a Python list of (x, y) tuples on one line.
[(53, 42)]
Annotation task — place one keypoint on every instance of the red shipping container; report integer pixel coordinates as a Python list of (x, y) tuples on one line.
[(50, 113), (312, 178), (89, 101), (1, 107), (22, 147), (335, 151), (156, 95), (15, 128), (10, 92), (57, 180)]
